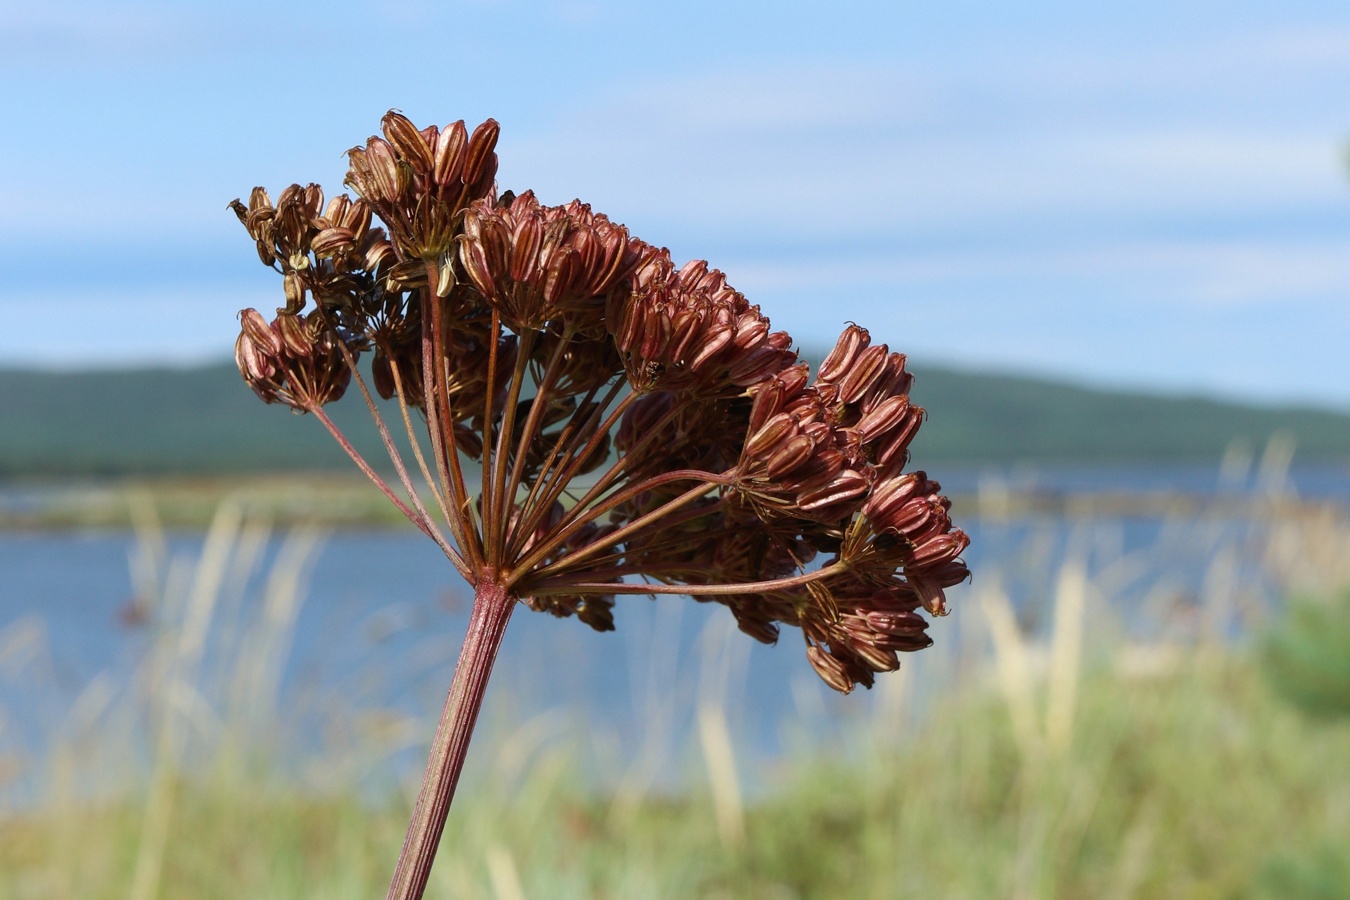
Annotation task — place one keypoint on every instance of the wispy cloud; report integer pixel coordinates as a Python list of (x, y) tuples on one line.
[(59, 35), (1251, 274), (897, 147)]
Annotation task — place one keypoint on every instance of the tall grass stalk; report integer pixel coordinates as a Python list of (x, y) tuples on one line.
[(721, 649), (178, 674), (195, 609)]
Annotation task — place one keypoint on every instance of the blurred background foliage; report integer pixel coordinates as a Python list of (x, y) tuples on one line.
[(1308, 656)]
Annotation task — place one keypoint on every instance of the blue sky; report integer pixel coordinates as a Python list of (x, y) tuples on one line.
[(1146, 194)]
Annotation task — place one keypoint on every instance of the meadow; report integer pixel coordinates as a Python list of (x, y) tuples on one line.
[(1099, 718)]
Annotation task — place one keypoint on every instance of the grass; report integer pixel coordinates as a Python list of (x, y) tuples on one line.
[(1066, 762), (1198, 784)]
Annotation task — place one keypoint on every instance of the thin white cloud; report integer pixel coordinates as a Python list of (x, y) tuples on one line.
[(1238, 64), (1197, 272), (861, 181), (1301, 47), (1245, 125), (50, 35), (1256, 115), (791, 98)]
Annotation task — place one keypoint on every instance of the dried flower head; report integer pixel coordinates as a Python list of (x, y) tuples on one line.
[(420, 181), (550, 343), (640, 428)]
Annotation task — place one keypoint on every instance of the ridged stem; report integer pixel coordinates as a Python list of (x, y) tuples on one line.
[(492, 606)]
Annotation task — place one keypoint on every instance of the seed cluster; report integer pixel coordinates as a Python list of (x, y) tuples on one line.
[(639, 427)]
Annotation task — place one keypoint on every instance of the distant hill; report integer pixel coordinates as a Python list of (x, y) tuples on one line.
[(205, 421), (988, 417), (160, 420)]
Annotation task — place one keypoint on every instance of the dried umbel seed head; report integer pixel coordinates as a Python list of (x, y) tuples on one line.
[(539, 264), (909, 519), (295, 360), (688, 331), (330, 256), (420, 181), (639, 426)]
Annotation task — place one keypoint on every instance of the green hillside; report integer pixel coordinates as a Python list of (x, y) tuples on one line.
[(204, 420), (1008, 418)]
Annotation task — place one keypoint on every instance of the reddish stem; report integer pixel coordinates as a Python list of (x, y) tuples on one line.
[(441, 424), (492, 606), (370, 473), (559, 537), (531, 431), (620, 464), (553, 479), (502, 504), (563, 586)]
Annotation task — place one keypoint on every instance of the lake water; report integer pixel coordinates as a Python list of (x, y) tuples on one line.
[(383, 614)]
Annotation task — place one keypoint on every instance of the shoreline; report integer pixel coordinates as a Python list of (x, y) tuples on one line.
[(349, 502)]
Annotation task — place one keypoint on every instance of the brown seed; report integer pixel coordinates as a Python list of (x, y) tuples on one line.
[(894, 447), (258, 198), (770, 435), (868, 366), (899, 622), (252, 364), (877, 658), (524, 249), (830, 670), (938, 550), (480, 164), (332, 241), (407, 141), (449, 155), (384, 170), (883, 417), (260, 333), (840, 359), (293, 336), (889, 496), (906, 643), (560, 276), (790, 454), (847, 485)]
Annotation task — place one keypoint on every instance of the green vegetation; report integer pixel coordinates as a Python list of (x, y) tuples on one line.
[(1001, 418), (1308, 657), (143, 421), (1197, 784), (205, 421)]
